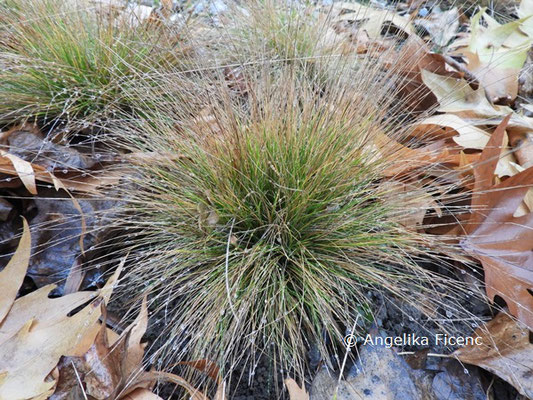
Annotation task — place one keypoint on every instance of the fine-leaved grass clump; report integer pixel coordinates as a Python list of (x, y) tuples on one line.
[(258, 228), (278, 32), (74, 59), (282, 33)]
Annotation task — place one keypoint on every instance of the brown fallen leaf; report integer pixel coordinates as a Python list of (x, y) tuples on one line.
[(31, 354), (496, 54), (210, 369), (522, 142), (414, 213), (103, 367), (28, 173), (506, 352), (112, 368), (295, 391), (456, 96), (12, 276), (30, 158), (23, 169), (41, 309), (37, 331), (501, 242), (442, 26), (469, 136), (372, 20), (527, 205), (141, 394), (410, 63), (406, 159)]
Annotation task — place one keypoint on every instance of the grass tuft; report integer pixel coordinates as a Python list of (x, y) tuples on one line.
[(75, 59), (261, 229)]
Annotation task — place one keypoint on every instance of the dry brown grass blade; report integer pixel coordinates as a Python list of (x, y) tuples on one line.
[(195, 394)]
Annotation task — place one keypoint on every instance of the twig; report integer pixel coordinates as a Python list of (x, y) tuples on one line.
[(468, 75)]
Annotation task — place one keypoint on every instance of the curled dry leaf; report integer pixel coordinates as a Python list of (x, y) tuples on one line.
[(501, 242), (30, 158), (28, 173), (506, 352), (23, 169)]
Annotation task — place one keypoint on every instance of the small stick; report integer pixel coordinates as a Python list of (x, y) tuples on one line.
[(468, 75)]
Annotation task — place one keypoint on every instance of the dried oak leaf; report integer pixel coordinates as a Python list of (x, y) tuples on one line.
[(496, 54), (506, 352), (12, 276), (410, 63), (37, 331), (113, 368), (34, 334), (109, 367), (372, 20), (501, 242), (441, 26)]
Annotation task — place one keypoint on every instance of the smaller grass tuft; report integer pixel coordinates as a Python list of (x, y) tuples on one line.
[(74, 60)]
